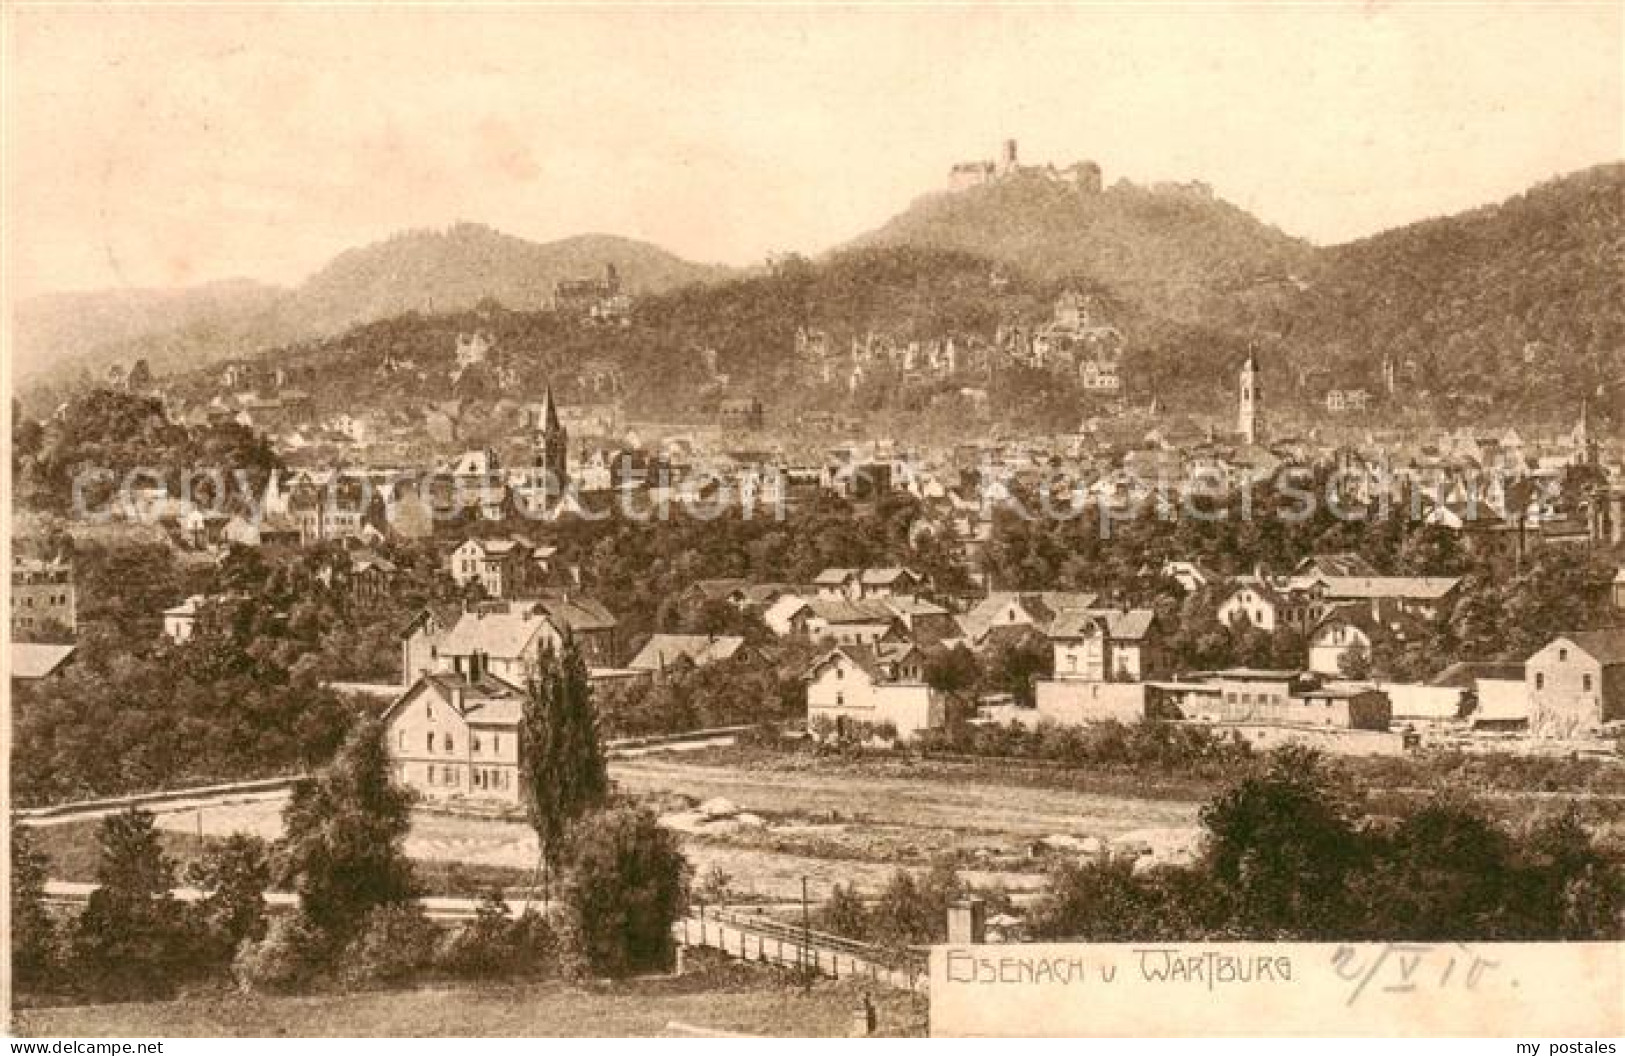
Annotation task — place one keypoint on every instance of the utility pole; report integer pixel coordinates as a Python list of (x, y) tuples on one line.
[(806, 937)]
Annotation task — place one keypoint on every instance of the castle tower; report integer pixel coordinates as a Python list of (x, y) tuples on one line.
[(1252, 399), (551, 445)]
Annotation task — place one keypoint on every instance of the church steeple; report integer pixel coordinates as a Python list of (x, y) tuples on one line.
[(551, 443), (550, 414), (1249, 410)]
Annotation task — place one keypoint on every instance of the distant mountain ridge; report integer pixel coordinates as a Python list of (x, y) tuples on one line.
[(419, 270), (1509, 309)]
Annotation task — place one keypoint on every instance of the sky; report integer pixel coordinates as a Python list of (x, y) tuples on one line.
[(171, 145)]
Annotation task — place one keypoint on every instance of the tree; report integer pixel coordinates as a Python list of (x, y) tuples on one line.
[(33, 936), (1442, 873), (344, 829), (628, 883), (129, 940), (902, 916), (845, 914), (1354, 663), (1283, 841), (952, 671), (234, 877), (1094, 902), (562, 771), (1582, 892), (1016, 660)]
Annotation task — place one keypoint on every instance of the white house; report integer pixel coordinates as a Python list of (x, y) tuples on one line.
[(873, 685), (508, 639), (180, 622), (456, 736), (1267, 606), (501, 566), (1103, 645), (1577, 683)]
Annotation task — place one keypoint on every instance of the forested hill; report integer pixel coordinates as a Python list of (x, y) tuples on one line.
[(1170, 251), (1506, 314), (1523, 301), (61, 337), (457, 268), (682, 350)]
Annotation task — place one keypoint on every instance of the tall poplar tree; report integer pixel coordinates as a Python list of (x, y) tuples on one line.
[(562, 769)]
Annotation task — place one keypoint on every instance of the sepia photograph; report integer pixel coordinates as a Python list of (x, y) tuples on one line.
[(749, 520)]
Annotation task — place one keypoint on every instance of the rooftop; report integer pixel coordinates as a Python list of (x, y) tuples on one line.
[(30, 660), (698, 649)]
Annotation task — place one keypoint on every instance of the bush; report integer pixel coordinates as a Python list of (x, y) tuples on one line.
[(628, 883), (286, 960), (395, 942), (536, 945), (495, 945), (845, 914)]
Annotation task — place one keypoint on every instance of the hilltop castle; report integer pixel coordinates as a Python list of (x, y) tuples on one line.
[(1084, 175)]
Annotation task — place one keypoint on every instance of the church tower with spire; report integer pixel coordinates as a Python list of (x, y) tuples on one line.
[(551, 445), (1249, 418)]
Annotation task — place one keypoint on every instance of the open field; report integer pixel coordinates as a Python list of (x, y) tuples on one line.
[(966, 802), (826, 821), (745, 1001)]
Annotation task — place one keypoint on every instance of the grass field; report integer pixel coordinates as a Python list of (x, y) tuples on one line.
[(746, 1001), (833, 821)]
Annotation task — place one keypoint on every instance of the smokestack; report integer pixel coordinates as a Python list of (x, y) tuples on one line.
[(1009, 154)]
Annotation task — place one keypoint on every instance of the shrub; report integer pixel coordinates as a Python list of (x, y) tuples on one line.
[(495, 945), (395, 942), (286, 960)]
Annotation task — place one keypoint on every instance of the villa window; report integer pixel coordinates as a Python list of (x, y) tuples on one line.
[(429, 747), (1540, 680), (474, 742), (1562, 654), (1585, 683), (448, 742)]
